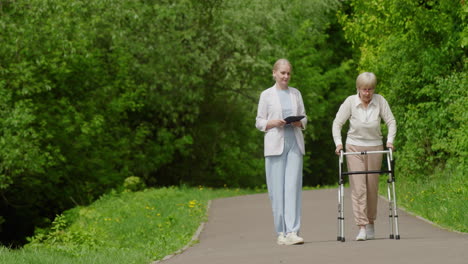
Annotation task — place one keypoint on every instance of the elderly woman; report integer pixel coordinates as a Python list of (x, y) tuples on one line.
[(283, 150), (364, 110)]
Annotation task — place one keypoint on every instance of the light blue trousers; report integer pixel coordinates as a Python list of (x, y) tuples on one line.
[(284, 181)]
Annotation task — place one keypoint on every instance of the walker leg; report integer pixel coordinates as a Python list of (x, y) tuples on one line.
[(342, 213), (389, 196), (339, 214), (390, 209), (392, 198), (340, 236), (395, 212)]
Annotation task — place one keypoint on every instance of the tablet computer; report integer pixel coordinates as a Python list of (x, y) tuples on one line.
[(291, 119)]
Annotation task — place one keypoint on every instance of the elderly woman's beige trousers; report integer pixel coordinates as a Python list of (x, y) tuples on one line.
[(364, 188)]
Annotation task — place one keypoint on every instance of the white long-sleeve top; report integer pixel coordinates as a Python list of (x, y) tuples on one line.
[(364, 123)]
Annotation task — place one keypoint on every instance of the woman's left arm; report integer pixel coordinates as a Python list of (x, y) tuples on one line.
[(300, 111), (387, 116)]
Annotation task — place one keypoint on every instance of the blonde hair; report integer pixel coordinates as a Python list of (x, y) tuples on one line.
[(366, 79), (278, 63), (281, 62)]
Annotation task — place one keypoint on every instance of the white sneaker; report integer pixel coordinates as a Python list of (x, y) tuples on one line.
[(370, 232), (281, 240), (362, 235), (293, 239)]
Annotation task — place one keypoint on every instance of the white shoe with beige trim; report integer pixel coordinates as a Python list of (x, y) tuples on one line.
[(281, 240), (362, 235), (293, 239)]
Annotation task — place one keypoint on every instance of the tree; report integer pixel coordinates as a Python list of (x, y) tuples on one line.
[(418, 51)]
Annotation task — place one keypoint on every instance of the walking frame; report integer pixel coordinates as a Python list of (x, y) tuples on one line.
[(393, 214)]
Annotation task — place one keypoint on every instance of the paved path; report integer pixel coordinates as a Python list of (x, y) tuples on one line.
[(240, 231)]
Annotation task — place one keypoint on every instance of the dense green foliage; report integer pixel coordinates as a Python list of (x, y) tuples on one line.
[(418, 49), (94, 92), (126, 227)]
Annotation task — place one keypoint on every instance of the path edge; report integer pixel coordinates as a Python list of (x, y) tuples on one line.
[(399, 207), (191, 242)]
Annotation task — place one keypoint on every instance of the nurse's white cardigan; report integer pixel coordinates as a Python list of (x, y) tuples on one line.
[(269, 107)]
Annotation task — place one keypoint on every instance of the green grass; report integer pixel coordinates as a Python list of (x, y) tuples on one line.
[(125, 228), (45, 255), (440, 198)]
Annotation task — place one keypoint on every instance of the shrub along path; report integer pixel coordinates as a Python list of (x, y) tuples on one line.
[(240, 230)]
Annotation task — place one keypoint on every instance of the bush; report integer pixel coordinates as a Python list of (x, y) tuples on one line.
[(133, 184)]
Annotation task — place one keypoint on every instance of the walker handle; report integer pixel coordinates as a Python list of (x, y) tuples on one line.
[(368, 152)]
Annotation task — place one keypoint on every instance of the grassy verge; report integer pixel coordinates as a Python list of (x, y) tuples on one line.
[(440, 198), (122, 228)]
